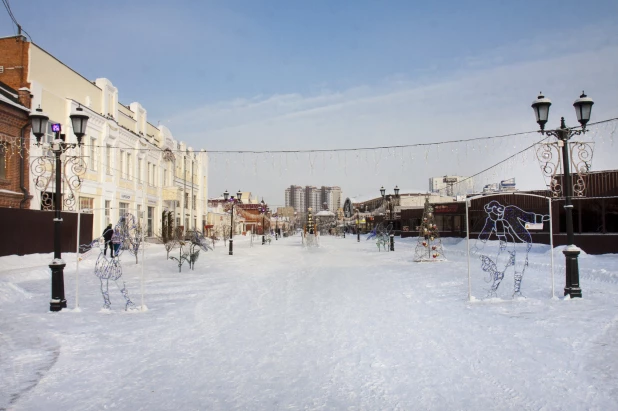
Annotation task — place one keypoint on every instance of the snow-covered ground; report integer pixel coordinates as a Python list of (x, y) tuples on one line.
[(341, 326)]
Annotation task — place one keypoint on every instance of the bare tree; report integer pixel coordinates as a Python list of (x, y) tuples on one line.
[(168, 235)]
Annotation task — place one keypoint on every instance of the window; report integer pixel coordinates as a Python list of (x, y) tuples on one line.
[(108, 159), (108, 205), (194, 200), (591, 215), (139, 214), (121, 164), (611, 215), (123, 208), (164, 177), (186, 200), (3, 161), (93, 153), (86, 203), (129, 166), (149, 226), (154, 175), (448, 223), (140, 174)]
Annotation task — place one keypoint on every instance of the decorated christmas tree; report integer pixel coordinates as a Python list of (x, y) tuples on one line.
[(429, 246)]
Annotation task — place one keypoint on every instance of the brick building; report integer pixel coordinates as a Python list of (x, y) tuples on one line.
[(14, 136)]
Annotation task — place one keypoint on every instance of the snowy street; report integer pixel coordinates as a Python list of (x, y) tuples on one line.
[(280, 327)]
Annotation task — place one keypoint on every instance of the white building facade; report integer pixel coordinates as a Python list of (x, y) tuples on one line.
[(132, 165), (451, 185)]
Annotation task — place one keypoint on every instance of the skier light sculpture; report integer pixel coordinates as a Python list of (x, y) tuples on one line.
[(509, 224), (382, 235)]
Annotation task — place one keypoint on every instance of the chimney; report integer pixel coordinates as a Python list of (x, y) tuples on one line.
[(24, 96)]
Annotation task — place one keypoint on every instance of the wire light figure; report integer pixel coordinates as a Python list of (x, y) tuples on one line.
[(509, 224), (382, 235), (110, 268)]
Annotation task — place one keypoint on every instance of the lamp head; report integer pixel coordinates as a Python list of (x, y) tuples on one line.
[(38, 121), (541, 110), (583, 108), (79, 121)]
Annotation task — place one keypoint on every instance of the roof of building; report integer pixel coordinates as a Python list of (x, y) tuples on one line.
[(10, 96)]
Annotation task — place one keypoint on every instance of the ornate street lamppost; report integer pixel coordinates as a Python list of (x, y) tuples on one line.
[(357, 226), (276, 226), (263, 210), (549, 165), (389, 200), (233, 201), (38, 121)]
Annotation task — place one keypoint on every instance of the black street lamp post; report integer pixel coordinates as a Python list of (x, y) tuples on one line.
[(389, 202), (276, 226), (263, 210), (583, 108), (357, 226), (233, 201), (39, 121)]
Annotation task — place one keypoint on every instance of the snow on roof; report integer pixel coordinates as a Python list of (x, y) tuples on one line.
[(9, 191), (12, 103), (325, 213)]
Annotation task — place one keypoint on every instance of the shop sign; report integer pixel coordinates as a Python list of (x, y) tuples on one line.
[(451, 208)]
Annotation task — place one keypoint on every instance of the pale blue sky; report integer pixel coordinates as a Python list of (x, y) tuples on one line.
[(324, 74)]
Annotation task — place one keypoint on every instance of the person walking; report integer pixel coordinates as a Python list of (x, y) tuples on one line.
[(116, 242), (107, 236)]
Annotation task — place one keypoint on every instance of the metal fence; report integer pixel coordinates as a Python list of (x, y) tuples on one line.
[(32, 231)]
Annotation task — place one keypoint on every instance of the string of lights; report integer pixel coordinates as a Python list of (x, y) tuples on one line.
[(595, 132), (496, 164), (10, 142), (392, 147)]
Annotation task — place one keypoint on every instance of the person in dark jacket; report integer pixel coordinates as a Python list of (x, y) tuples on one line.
[(107, 236)]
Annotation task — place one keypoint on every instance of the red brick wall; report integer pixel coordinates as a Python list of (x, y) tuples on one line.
[(12, 119), (14, 60)]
